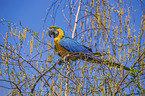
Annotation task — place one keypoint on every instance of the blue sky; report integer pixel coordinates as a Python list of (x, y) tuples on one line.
[(31, 13)]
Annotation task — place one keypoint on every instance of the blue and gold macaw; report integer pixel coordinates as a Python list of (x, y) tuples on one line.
[(65, 46)]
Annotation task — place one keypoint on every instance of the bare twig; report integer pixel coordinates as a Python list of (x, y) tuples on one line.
[(41, 75), (76, 19), (67, 80), (17, 87)]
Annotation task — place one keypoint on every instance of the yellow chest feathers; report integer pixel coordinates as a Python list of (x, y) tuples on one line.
[(62, 51)]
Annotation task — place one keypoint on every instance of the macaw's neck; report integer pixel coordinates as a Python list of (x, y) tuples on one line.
[(60, 35)]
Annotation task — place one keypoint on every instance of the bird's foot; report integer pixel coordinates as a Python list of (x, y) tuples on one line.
[(66, 58)]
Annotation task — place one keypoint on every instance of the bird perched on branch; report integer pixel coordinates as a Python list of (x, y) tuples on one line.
[(70, 48)]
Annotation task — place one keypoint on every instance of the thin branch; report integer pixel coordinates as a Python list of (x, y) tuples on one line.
[(76, 19), (41, 75), (116, 91), (67, 80), (17, 87)]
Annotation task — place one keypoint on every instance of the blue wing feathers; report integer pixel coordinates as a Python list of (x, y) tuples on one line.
[(73, 46)]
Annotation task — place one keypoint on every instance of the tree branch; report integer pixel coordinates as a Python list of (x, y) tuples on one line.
[(121, 81), (41, 75), (76, 19), (17, 87)]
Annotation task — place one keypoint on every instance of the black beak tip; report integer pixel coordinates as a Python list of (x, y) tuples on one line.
[(49, 35), (49, 32)]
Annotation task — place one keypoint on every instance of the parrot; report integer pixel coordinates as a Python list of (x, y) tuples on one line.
[(67, 47)]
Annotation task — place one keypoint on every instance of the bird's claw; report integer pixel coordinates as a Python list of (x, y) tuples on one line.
[(66, 58)]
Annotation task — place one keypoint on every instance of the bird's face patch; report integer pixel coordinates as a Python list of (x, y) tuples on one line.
[(56, 32), (53, 32)]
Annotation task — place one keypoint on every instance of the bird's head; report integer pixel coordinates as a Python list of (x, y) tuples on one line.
[(55, 31)]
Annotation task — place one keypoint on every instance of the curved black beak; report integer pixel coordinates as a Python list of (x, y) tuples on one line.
[(51, 32)]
